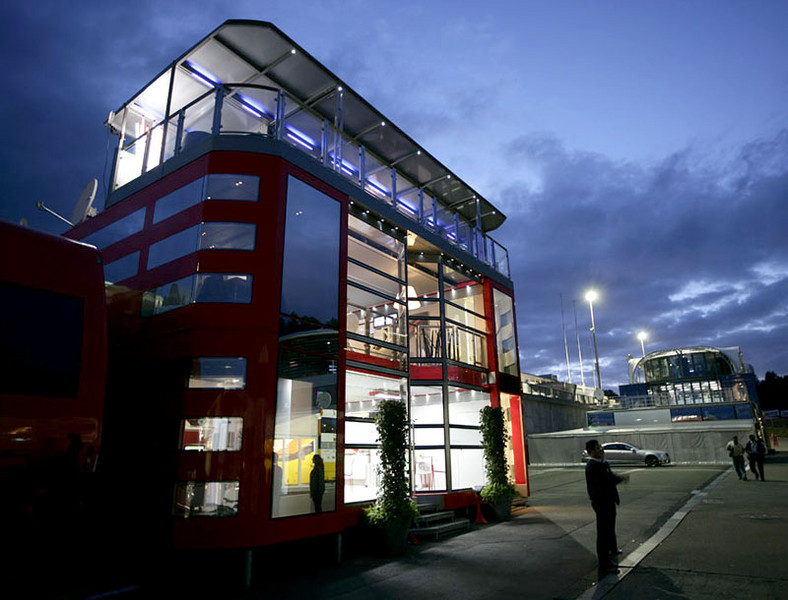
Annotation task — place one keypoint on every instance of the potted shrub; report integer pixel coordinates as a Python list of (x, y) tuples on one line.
[(498, 492), (394, 512)]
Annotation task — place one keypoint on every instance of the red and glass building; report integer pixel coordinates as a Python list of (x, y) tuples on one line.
[(279, 258)]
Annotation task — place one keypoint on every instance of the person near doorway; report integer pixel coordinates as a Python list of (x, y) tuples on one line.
[(317, 483)]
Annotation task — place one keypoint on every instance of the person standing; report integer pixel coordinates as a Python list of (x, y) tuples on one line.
[(736, 452), (756, 450), (317, 483), (601, 483)]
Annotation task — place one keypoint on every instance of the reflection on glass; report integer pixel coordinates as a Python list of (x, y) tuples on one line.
[(179, 200), (232, 187), (173, 247), (210, 287), (168, 296), (119, 230), (504, 333), (310, 273), (224, 287), (227, 236), (305, 426), (206, 499), (123, 268), (226, 373), (212, 434)]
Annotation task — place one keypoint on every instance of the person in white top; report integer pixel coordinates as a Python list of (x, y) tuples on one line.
[(736, 452)]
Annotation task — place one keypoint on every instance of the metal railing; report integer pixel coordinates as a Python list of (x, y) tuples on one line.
[(269, 112)]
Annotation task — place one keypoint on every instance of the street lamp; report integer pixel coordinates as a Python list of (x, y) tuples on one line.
[(591, 295), (642, 335)]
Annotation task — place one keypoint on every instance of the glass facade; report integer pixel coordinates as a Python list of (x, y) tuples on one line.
[(709, 365), (363, 393), (505, 341), (212, 434), (306, 397), (224, 373)]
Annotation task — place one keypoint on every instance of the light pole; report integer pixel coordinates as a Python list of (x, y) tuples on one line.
[(591, 296), (642, 335)]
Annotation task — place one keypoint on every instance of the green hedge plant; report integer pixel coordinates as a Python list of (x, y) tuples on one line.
[(494, 440), (394, 505)]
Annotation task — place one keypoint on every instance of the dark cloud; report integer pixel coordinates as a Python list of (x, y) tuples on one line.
[(693, 253), (690, 248)]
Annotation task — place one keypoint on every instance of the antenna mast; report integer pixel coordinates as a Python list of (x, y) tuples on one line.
[(579, 353), (566, 347)]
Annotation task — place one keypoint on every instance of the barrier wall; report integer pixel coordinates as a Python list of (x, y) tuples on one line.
[(686, 445)]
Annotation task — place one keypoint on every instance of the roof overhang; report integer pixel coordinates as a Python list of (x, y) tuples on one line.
[(257, 52)]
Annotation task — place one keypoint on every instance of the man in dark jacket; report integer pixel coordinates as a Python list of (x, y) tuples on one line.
[(601, 483), (756, 450)]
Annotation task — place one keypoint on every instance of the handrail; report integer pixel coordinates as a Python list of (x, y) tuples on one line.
[(314, 135)]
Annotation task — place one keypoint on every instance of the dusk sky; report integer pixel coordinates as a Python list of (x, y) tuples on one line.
[(639, 148)]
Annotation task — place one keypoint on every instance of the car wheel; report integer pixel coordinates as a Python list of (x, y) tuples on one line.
[(652, 461)]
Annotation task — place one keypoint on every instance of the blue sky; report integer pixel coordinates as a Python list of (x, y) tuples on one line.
[(637, 147)]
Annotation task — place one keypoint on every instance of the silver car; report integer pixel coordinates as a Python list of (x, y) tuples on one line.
[(620, 452)]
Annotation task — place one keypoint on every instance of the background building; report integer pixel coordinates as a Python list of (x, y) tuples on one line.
[(687, 401)]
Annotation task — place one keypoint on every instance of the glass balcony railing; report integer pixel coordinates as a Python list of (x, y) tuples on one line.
[(270, 112)]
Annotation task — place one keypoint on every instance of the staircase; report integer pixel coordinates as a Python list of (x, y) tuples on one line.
[(433, 523)]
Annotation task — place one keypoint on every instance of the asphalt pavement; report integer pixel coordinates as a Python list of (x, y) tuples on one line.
[(727, 539), (724, 539)]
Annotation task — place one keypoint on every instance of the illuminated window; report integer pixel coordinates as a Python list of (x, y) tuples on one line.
[(505, 343), (225, 373), (206, 499), (212, 434)]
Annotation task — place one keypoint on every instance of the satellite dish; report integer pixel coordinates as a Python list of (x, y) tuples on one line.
[(84, 206)]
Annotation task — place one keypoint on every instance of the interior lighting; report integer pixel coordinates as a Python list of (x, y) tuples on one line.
[(411, 209), (251, 106), (413, 304), (376, 187), (300, 138), (202, 74), (348, 168), (147, 112)]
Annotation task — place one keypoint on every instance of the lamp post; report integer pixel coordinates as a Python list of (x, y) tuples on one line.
[(642, 335), (591, 296)]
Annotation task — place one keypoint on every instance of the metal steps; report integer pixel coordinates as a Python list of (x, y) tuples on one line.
[(434, 525)]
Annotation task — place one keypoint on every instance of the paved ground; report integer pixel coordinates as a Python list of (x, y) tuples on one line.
[(732, 543), (727, 539)]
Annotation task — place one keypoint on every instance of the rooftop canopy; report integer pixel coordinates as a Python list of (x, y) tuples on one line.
[(256, 53)]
